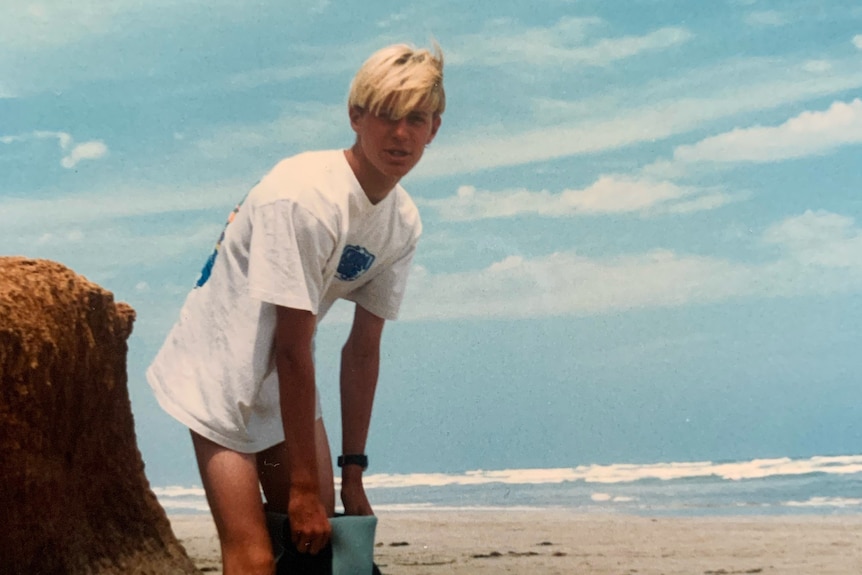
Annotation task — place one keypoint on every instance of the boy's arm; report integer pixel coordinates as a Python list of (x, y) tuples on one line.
[(294, 361), (360, 361)]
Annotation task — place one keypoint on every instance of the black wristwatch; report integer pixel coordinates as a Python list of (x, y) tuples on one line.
[(357, 459)]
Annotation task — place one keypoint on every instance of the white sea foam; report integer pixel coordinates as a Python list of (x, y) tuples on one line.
[(424, 507), (839, 502), (627, 473), (184, 504), (623, 476), (178, 491), (608, 498)]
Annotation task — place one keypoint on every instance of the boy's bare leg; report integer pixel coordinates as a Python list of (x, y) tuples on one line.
[(273, 472), (233, 494)]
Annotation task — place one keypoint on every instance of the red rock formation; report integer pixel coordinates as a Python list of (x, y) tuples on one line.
[(73, 495)]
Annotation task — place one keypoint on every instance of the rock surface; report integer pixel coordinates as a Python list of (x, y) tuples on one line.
[(73, 495)]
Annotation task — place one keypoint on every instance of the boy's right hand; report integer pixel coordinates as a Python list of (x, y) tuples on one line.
[(308, 521)]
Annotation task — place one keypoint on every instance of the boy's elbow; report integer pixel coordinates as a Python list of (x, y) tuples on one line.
[(293, 357)]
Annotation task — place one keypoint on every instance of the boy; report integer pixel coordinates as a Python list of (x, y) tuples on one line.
[(237, 367)]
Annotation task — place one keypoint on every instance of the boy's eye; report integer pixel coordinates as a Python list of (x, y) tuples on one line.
[(417, 118)]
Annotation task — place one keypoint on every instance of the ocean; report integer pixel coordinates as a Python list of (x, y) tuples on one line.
[(822, 485)]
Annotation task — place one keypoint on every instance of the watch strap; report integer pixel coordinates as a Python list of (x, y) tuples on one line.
[(359, 459)]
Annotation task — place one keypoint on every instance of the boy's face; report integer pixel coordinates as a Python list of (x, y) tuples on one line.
[(394, 147)]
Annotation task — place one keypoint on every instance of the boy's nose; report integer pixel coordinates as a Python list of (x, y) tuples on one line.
[(399, 127)]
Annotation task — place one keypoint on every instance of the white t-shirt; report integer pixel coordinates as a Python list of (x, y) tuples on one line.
[(305, 236)]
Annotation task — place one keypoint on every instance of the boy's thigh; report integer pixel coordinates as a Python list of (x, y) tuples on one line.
[(233, 492)]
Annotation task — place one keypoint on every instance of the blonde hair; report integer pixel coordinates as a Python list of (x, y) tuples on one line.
[(398, 79)]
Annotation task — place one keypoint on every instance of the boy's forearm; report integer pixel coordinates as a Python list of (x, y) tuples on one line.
[(298, 406), (359, 373), (294, 362)]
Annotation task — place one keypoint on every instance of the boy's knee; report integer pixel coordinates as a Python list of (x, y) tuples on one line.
[(248, 560)]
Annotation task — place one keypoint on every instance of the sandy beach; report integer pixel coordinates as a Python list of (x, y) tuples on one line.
[(565, 542)]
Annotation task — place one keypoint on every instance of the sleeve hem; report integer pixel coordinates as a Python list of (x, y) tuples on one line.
[(383, 311), (283, 300)]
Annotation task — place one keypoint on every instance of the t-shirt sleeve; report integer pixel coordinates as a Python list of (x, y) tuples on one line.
[(289, 249), (383, 295)]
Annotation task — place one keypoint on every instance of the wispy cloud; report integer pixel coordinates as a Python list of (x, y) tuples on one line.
[(111, 203), (569, 42), (54, 23), (764, 87), (73, 153), (305, 62), (766, 18), (607, 195), (302, 125), (816, 253), (857, 41), (809, 133), (806, 134), (319, 6), (45, 42), (30, 24)]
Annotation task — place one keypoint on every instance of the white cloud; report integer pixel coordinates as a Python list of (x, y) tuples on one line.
[(92, 150), (804, 135), (857, 41), (567, 43), (608, 194), (705, 201), (819, 238), (62, 138), (73, 153), (818, 253), (567, 283)]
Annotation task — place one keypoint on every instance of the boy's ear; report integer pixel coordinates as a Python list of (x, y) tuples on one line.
[(355, 113)]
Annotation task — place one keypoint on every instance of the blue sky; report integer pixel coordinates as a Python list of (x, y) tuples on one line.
[(642, 219)]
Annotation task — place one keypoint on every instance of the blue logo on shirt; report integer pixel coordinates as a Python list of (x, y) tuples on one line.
[(355, 261), (208, 267)]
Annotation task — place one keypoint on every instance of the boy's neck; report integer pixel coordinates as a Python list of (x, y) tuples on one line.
[(375, 184)]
